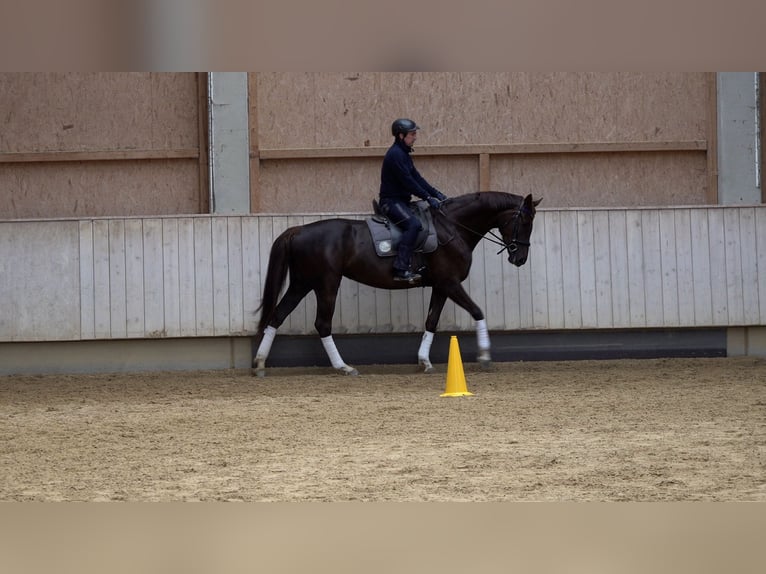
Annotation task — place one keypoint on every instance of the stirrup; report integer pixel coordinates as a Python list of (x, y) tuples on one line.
[(406, 275)]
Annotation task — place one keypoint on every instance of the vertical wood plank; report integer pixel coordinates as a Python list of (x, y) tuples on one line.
[(117, 297), (587, 264), (134, 277), (718, 276), (701, 272), (87, 287), (171, 280), (554, 280), (102, 305), (734, 288), (87, 311), (669, 268), (187, 282), (684, 266), (760, 227), (570, 266), (220, 254), (619, 266), (652, 255), (251, 274), (495, 287), (203, 277), (749, 258), (603, 268), (236, 277), (537, 267), (511, 294), (154, 296), (636, 288)]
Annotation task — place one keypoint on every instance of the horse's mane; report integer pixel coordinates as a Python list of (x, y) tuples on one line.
[(494, 200)]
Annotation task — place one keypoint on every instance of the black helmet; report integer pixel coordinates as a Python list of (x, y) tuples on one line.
[(403, 126)]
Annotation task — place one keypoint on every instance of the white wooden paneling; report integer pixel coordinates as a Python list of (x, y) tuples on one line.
[(39, 281), (199, 276)]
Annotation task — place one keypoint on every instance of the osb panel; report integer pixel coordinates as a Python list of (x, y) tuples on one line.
[(605, 180), (49, 112), (77, 189), (320, 186), (313, 109)]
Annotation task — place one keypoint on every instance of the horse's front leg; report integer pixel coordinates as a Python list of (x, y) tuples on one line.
[(435, 307), (323, 324), (461, 298)]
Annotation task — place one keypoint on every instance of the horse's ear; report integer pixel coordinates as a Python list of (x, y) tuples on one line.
[(529, 202)]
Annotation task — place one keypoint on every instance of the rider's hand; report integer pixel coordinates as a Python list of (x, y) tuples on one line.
[(433, 202), (440, 196)]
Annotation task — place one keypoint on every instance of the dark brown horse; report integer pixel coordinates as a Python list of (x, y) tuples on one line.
[(318, 255)]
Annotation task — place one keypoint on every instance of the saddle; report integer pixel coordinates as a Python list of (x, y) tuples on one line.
[(386, 235)]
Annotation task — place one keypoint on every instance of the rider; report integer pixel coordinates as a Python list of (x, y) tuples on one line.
[(399, 181)]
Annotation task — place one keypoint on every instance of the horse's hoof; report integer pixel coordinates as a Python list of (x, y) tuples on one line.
[(260, 373), (486, 365), (349, 371)]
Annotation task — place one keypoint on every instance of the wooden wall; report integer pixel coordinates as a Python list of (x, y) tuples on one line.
[(579, 139), (201, 276), (125, 144), (97, 144)]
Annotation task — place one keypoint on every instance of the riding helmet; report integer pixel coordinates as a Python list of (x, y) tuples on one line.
[(403, 126)]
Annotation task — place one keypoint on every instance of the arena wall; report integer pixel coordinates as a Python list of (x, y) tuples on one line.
[(201, 277)]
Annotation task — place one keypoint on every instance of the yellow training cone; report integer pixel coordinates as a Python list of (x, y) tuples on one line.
[(456, 386)]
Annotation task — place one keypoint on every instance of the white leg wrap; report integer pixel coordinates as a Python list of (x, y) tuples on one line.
[(482, 335), (425, 345), (332, 352), (265, 347)]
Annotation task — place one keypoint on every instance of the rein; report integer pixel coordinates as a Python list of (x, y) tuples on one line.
[(511, 246)]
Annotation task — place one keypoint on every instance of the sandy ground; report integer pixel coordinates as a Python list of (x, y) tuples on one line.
[(648, 430)]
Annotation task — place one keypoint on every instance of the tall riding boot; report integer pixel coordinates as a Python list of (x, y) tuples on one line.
[(402, 264)]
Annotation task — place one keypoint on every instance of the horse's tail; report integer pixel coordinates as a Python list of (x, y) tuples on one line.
[(275, 278)]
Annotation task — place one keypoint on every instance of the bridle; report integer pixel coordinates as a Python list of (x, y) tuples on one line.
[(513, 245)]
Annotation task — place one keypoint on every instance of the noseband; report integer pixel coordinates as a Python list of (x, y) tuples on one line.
[(513, 245)]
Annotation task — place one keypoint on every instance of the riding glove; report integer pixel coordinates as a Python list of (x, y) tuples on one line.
[(433, 202)]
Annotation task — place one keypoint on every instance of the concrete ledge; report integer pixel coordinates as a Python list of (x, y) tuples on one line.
[(124, 356), (121, 356)]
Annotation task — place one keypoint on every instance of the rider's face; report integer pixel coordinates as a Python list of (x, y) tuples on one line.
[(410, 138)]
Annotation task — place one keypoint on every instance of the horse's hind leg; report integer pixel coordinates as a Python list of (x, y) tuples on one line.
[(290, 300)]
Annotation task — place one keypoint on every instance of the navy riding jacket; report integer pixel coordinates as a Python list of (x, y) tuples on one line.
[(398, 177)]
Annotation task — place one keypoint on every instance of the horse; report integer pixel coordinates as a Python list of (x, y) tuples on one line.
[(318, 255)]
